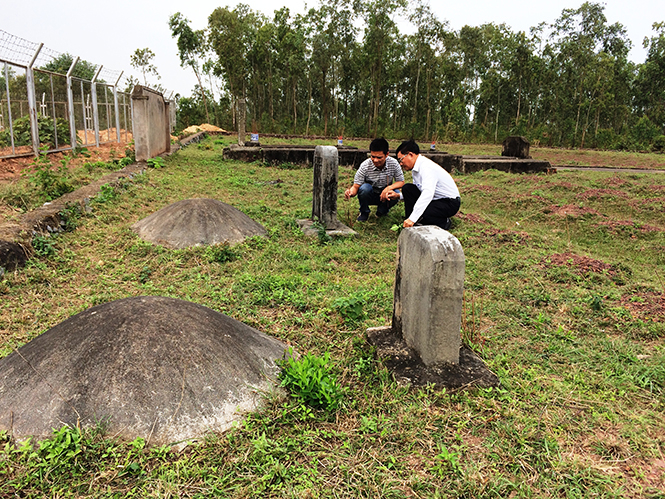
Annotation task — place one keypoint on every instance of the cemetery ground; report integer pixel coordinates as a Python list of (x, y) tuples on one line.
[(564, 300)]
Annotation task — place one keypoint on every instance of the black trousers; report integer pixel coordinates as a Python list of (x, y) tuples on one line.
[(437, 212)]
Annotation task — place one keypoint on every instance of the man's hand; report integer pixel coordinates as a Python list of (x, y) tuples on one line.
[(348, 194), (387, 194), (407, 223)]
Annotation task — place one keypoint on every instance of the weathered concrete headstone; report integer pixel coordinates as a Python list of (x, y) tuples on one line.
[(516, 147), (424, 345), (158, 368), (197, 222), (429, 288), (324, 194)]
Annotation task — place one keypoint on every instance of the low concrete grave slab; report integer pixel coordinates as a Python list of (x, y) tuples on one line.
[(197, 222), (158, 368)]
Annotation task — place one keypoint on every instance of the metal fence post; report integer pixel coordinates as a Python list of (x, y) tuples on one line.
[(9, 109), (95, 111), (70, 103), (117, 111), (32, 101)]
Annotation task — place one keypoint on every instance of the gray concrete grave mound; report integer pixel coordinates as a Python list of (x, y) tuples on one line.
[(162, 369), (197, 222)]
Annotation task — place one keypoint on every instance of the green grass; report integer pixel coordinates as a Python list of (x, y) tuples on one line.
[(579, 353)]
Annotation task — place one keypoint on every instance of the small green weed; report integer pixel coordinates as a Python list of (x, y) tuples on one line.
[(221, 253), (351, 308), (70, 216), (51, 183), (43, 245), (156, 162), (311, 380), (107, 193), (321, 233)]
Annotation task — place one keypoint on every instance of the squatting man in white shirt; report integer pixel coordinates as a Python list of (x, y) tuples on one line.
[(433, 197)]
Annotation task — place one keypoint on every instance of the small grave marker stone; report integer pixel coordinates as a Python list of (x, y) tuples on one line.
[(324, 195)]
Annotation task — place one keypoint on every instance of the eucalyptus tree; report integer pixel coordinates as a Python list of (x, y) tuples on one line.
[(232, 34), (291, 51), (650, 81), (331, 32), (378, 51), (588, 58), (427, 51), (141, 59), (191, 47)]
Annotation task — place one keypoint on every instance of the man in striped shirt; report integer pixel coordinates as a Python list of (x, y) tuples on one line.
[(375, 177)]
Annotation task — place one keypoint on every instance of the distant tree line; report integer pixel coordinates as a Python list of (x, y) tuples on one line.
[(344, 68)]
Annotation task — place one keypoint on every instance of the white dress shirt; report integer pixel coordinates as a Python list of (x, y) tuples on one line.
[(434, 183)]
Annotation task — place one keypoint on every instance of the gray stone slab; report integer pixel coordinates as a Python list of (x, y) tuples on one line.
[(340, 230), (158, 368), (429, 287)]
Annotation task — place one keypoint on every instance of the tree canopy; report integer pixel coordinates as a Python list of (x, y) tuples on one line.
[(345, 67)]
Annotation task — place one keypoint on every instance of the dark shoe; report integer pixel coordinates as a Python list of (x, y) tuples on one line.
[(447, 224), (381, 215), (362, 217)]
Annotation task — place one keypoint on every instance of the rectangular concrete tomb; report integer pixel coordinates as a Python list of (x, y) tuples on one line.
[(429, 286)]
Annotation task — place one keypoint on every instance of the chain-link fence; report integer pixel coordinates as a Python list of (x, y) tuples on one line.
[(50, 101)]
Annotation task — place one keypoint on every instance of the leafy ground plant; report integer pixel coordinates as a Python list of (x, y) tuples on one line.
[(311, 380)]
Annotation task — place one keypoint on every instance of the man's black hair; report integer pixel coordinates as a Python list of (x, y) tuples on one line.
[(379, 145), (408, 146)]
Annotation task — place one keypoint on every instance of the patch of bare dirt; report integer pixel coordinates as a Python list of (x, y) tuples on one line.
[(598, 193), (570, 210), (648, 305), (506, 236), (615, 181), (609, 452), (12, 168), (618, 225), (479, 188), (581, 265), (472, 218)]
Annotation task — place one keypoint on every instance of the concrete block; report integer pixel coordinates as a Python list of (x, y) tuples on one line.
[(429, 287)]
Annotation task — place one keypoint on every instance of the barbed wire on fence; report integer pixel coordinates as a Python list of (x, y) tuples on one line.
[(43, 110)]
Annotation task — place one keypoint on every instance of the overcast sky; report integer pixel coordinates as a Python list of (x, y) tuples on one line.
[(109, 32)]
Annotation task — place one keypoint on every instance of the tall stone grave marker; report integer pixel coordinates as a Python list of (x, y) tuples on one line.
[(424, 345), (324, 194), (429, 287)]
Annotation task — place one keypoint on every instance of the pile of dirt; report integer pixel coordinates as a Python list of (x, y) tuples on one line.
[(581, 265), (11, 169), (648, 306), (205, 127), (472, 218), (571, 210)]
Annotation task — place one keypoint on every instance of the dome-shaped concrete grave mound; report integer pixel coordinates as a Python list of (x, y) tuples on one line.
[(162, 369), (194, 222)]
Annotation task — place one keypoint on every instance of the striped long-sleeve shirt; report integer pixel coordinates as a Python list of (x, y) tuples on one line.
[(380, 179)]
